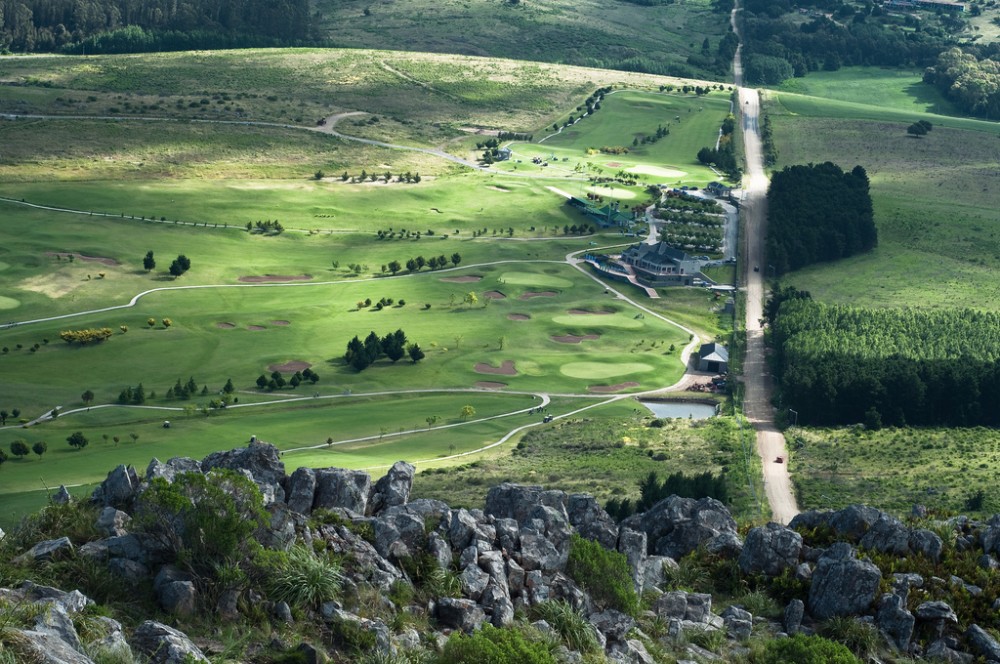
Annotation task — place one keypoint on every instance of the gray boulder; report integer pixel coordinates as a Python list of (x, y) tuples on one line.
[(171, 469), (392, 489), (165, 645), (474, 581), (398, 535), (47, 648), (677, 526), (841, 584), (538, 553), (348, 489), (725, 544), (463, 614), (261, 460), (590, 520), (461, 529), (631, 651), (62, 496), (738, 622), (612, 624), (770, 550), (693, 607), (853, 521), (936, 612), (112, 522), (516, 501), (45, 551), (983, 643), (926, 543), (887, 535), (118, 489), (895, 621), (132, 572), (792, 622), (301, 490), (178, 597), (944, 650)]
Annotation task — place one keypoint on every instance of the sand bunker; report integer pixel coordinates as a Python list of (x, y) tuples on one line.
[(289, 367), (505, 369), (93, 259), (573, 339), (518, 317), (225, 326), (500, 189), (464, 279), (612, 388), (490, 385), (274, 278), (256, 328), (280, 323), (530, 294), (613, 164), (584, 312), (494, 295), (657, 171)]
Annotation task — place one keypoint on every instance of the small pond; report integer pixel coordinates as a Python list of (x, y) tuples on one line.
[(685, 409)]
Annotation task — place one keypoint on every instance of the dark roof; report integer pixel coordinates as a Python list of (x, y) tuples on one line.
[(661, 253), (713, 352)]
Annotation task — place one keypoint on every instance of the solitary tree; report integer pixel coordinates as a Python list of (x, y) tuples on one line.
[(78, 440), (3, 417), (456, 259), (15, 412), (87, 398), (40, 448), (19, 448), (229, 388), (467, 412), (150, 322), (471, 298), (415, 353), (148, 261), (916, 129), (167, 322), (134, 436)]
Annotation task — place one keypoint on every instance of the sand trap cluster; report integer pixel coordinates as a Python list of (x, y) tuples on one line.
[(494, 295), (530, 294), (490, 385)]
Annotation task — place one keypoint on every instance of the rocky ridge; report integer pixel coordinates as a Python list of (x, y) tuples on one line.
[(511, 556)]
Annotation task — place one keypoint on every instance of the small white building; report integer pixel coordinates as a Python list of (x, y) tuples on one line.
[(713, 357)]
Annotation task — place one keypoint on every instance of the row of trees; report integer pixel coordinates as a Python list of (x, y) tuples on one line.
[(842, 365), (723, 157), (268, 227), (818, 213), (143, 25), (362, 354), (276, 380), (20, 448), (419, 262)]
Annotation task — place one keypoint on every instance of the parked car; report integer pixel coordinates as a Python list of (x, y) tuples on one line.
[(779, 459), (756, 268)]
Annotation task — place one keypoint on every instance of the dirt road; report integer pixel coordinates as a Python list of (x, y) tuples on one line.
[(757, 381)]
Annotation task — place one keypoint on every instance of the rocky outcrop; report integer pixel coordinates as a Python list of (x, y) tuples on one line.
[(162, 644), (118, 489), (344, 489), (393, 488), (842, 585), (261, 460), (984, 644), (677, 526), (895, 621), (45, 551), (770, 550)]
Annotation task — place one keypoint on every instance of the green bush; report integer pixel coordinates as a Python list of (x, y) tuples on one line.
[(306, 580), (495, 646), (604, 574), (803, 650), (574, 630)]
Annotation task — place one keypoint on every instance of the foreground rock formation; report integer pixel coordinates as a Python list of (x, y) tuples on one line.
[(508, 558)]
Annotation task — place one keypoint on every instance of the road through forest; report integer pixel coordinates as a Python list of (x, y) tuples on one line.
[(756, 380)]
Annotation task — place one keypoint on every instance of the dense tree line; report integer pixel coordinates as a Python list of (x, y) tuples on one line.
[(87, 336), (971, 82), (723, 156), (106, 26), (652, 490), (842, 365), (778, 46), (818, 213)]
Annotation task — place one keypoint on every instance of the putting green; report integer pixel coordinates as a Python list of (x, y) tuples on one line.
[(9, 302), (534, 279), (594, 370), (613, 193), (644, 169), (619, 321)]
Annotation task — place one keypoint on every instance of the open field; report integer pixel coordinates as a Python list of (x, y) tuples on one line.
[(589, 33), (896, 468), (625, 116), (935, 202), (604, 454)]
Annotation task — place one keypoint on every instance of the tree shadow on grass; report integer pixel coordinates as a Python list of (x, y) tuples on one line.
[(931, 99)]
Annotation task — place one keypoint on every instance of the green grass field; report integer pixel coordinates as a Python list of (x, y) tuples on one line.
[(190, 188)]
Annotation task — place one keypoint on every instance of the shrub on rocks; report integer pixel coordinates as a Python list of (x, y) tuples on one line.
[(604, 574), (803, 650), (496, 646)]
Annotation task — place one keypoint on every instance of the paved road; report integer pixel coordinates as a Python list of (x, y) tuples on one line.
[(757, 382)]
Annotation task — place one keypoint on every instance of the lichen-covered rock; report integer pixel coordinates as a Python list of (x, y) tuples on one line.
[(516, 501), (261, 460), (463, 614), (118, 489), (936, 612), (132, 572), (612, 624), (842, 585), (46, 550), (347, 489), (895, 621), (301, 490), (793, 616), (693, 607), (590, 520), (887, 535), (112, 522), (770, 550), (393, 488), (162, 644), (677, 526), (178, 597), (853, 521), (172, 468), (926, 543), (983, 643), (738, 622)]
